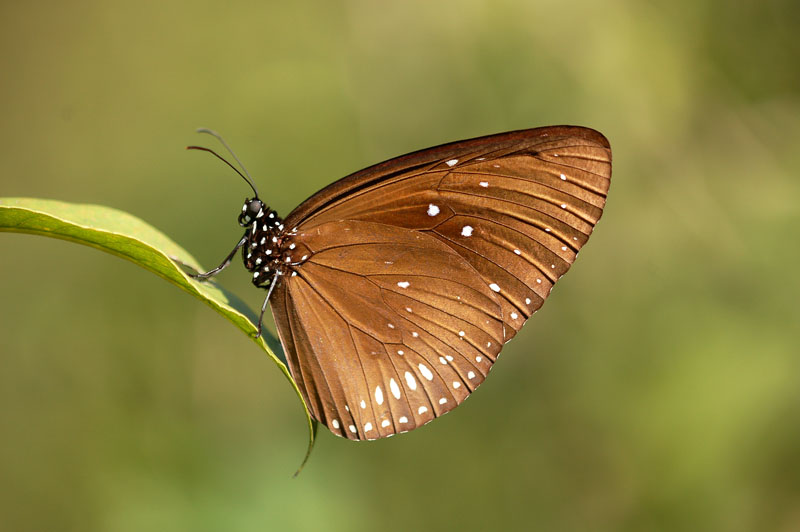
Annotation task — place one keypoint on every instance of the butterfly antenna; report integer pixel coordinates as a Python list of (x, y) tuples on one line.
[(221, 158), (222, 141)]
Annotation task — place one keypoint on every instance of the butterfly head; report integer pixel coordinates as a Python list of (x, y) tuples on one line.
[(252, 209)]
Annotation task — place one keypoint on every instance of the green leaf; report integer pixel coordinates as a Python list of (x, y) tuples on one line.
[(126, 236)]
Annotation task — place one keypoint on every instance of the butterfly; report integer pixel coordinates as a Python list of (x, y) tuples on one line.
[(394, 289)]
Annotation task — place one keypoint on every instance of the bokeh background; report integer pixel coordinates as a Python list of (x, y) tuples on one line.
[(656, 390)]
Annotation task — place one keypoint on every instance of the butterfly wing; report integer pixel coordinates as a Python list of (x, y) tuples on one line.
[(384, 327), (515, 207)]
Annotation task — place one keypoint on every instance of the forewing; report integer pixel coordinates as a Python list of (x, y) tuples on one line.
[(516, 206), (385, 328)]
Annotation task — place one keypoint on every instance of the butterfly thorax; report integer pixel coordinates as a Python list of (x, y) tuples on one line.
[(270, 250), (262, 252)]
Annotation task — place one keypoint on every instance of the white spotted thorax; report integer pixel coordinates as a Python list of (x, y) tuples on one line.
[(269, 249)]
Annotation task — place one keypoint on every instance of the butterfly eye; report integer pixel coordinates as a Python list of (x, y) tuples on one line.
[(251, 209), (254, 206)]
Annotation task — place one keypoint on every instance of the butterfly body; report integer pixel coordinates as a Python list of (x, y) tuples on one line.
[(394, 289), (264, 251)]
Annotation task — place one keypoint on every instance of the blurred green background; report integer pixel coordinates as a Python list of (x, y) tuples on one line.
[(657, 389)]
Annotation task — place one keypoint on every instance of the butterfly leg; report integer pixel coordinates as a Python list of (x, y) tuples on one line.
[(211, 273), (264, 306)]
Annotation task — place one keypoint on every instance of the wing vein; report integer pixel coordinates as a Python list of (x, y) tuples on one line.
[(355, 348), (498, 266), (541, 184), (589, 222)]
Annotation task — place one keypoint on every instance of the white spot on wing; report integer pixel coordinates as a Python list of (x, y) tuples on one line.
[(378, 395), (456, 384), (466, 230), (471, 375), (353, 429), (563, 177), (403, 419), (394, 388), (514, 315), (422, 409), (368, 427), (433, 210), (335, 423), (452, 162), (443, 400), (363, 404), (385, 423), (484, 184), (403, 284), (518, 252), (411, 381), (426, 372), (494, 287)]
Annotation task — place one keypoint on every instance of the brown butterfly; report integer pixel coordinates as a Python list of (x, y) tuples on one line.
[(395, 288)]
